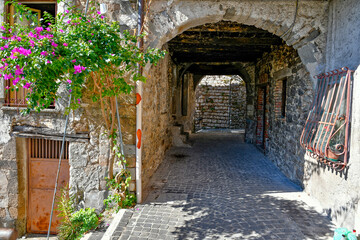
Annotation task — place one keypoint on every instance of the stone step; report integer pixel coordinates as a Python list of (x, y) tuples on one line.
[(180, 138)]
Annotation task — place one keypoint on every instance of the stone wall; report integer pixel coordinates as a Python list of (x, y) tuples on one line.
[(338, 192), (89, 152), (157, 120), (219, 105), (283, 132)]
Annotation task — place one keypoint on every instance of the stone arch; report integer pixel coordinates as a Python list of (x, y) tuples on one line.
[(167, 19)]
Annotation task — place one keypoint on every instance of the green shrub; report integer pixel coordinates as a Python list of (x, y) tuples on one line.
[(120, 196), (74, 223)]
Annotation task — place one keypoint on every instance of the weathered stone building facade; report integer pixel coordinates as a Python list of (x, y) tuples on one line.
[(275, 53), (220, 103)]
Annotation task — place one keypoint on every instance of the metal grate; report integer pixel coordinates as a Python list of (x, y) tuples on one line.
[(47, 149), (18, 98), (326, 132)]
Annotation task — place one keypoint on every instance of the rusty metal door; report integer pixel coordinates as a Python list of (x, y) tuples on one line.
[(42, 168)]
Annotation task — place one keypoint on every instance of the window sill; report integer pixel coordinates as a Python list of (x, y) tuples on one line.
[(18, 109)]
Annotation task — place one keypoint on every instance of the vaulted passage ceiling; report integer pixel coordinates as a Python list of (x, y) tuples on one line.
[(220, 43)]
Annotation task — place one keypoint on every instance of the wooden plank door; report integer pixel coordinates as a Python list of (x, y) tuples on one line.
[(42, 166)]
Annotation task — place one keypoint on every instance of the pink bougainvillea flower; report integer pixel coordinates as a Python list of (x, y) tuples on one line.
[(89, 41), (7, 87), (19, 39), (73, 61), (27, 85), (15, 81), (39, 29), (32, 43), (8, 76), (49, 24), (89, 21), (70, 91), (48, 61), (102, 17), (53, 53), (54, 44), (3, 59), (44, 53), (98, 12), (68, 21), (80, 18), (48, 29), (65, 44), (61, 30), (5, 38), (4, 66), (69, 81), (49, 36), (78, 69), (3, 28), (19, 70), (67, 11), (31, 34), (10, 30), (79, 101), (6, 46), (21, 50)]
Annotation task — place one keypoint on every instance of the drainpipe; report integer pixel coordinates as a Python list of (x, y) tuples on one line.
[(139, 92)]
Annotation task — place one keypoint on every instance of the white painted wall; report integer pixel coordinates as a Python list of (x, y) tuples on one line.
[(343, 40), (339, 193)]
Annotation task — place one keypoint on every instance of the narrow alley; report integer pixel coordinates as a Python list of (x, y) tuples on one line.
[(222, 188)]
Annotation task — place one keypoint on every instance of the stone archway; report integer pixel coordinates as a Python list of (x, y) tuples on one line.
[(167, 19)]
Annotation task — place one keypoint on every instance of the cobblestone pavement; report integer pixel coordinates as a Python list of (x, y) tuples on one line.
[(222, 189)]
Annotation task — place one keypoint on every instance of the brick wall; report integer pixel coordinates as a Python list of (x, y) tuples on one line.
[(218, 105)]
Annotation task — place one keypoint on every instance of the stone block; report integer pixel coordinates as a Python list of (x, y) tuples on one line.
[(13, 200), (132, 186), (132, 173), (4, 182), (306, 53), (131, 162), (13, 212), (2, 212), (79, 156), (95, 199), (129, 150)]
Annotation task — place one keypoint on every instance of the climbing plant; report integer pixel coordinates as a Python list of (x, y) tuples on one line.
[(73, 49)]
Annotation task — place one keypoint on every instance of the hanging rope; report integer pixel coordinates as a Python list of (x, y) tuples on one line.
[(58, 171), (120, 135), (61, 153), (293, 24)]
